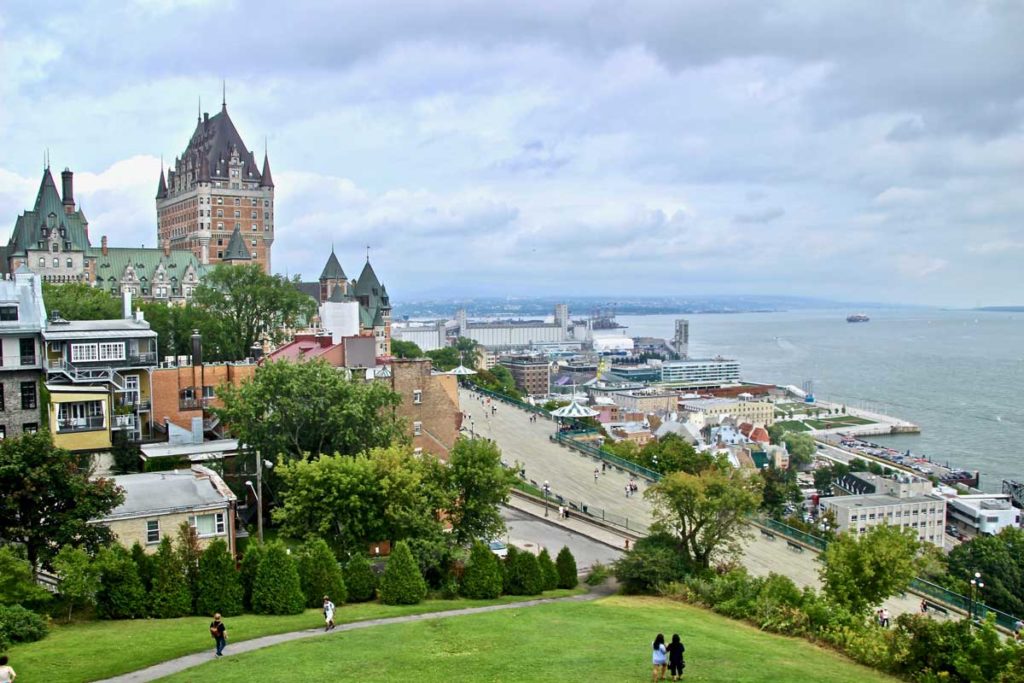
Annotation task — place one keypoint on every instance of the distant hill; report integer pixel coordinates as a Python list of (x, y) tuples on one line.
[(1001, 309)]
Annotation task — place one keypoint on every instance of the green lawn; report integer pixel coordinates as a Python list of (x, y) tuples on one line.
[(100, 649), (607, 640), (793, 426)]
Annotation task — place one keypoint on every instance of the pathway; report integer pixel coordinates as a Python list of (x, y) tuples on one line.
[(174, 666)]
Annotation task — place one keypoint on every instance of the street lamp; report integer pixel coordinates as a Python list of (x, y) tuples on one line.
[(258, 491), (976, 586), (546, 490)]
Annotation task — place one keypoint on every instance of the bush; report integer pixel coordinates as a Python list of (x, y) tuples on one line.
[(276, 588), (566, 565), (360, 579), (599, 573), (144, 565), (121, 594), (189, 552), (17, 580), (320, 574), (219, 583), (79, 577), (170, 596), (250, 563), (524, 575), (402, 583), (19, 625), (506, 569), (482, 577), (548, 571)]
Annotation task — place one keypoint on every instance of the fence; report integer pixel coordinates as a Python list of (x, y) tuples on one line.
[(934, 591), (567, 439)]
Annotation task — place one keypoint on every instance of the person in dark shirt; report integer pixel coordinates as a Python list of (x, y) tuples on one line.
[(675, 657), (217, 630)]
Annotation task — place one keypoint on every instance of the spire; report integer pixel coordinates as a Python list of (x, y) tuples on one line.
[(367, 253), (236, 250), (332, 270), (161, 189), (199, 110), (266, 180), (224, 95)]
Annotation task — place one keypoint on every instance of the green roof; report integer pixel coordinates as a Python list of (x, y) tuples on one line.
[(48, 213), (332, 270), (147, 265), (237, 251)]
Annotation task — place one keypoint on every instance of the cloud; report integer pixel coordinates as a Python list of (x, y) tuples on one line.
[(920, 265), (764, 216)]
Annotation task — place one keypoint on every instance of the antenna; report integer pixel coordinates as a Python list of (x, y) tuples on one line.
[(199, 109), (367, 246), (224, 94)]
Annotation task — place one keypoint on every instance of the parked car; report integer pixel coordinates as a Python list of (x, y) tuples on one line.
[(498, 548)]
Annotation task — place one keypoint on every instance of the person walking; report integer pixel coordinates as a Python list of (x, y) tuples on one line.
[(885, 618), (219, 631), (7, 674), (658, 658), (1017, 628), (328, 614), (597, 473), (675, 657)]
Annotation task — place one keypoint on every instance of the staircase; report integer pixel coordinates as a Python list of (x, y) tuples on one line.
[(79, 375)]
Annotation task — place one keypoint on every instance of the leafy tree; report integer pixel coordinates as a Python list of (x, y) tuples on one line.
[(47, 500), (17, 580), (320, 574), (360, 579), (672, 453), (775, 433), (1000, 560), (548, 571), (857, 465), (353, 501), (121, 594), (251, 305), (482, 577), (861, 571), (507, 575), (79, 577), (444, 359), (277, 589), (143, 564), (706, 511), (170, 596), (801, 448), (402, 583), (79, 301), (525, 576), (124, 453), (189, 553), (652, 562), (220, 584), (304, 410), (478, 485), (566, 565), (405, 349), (499, 380), (780, 489), (254, 553)]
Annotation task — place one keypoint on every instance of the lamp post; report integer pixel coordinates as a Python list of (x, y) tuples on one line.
[(546, 490), (976, 586), (258, 491)]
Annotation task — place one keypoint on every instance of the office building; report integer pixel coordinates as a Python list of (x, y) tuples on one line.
[(700, 372)]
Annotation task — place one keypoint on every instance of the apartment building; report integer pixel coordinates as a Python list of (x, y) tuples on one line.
[(22, 318)]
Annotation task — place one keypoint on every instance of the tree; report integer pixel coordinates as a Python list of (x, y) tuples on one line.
[(775, 433), (320, 574), (170, 596), (780, 489), (402, 583), (653, 561), (360, 579), (17, 580), (860, 571), (548, 571), (47, 500), (444, 359), (252, 306), (566, 565), (1000, 560), (219, 584), (189, 553), (672, 453), (143, 564), (277, 589), (351, 502), (254, 552), (482, 577), (706, 511), (405, 349), (478, 485), (79, 301), (121, 594), (304, 410), (79, 577), (525, 576), (506, 569), (124, 453), (801, 448)]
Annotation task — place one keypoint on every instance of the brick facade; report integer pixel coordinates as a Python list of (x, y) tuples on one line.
[(181, 393), (430, 405)]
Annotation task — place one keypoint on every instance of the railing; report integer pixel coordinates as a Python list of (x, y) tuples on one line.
[(142, 358), (77, 374), (80, 424), (14, 360), (123, 422), (567, 439), (580, 508), (932, 590)]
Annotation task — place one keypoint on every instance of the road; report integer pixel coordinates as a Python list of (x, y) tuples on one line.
[(527, 531)]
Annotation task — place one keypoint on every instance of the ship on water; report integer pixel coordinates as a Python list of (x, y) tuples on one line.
[(857, 318)]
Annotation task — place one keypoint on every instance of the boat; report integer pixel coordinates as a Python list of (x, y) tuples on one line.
[(857, 318)]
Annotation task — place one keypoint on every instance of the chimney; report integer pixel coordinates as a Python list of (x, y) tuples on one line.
[(68, 190), (206, 117), (197, 349), (103, 245), (126, 300), (167, 247)]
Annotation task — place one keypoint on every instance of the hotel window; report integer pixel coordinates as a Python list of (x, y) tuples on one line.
[(28, 396), (112, 351), (209, 525), (56, 263), (8, 314), (220, 226), (42, 261), (220, 254), (220, 213), (220, 200), (254, 227), (83, 353), (417, 428), (417, 396), (266, 202), (238, 202), (152, 531), (254, 243), (253, 202), (70, 263), (238, 214), (252, 215)]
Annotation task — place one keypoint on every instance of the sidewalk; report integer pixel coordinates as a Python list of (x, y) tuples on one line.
[(174, 666), (597, 532)]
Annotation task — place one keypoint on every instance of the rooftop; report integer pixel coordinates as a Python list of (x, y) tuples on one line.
[(876, 500), (93, 329), (164, 492)]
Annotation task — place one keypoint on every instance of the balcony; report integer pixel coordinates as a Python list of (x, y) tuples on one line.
[(194, 403), (123, 422), (141, 358), (15, 361), (82, 424)]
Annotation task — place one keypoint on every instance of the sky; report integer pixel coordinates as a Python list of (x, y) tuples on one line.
[(858, 151)]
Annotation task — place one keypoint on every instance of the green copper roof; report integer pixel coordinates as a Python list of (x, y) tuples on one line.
[(149, 266), (368, 284), (48, 215), (333, 270), (237, 250)]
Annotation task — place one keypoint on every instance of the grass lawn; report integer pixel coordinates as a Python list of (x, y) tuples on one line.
[(607, 640), (100, 649), (793, 426)]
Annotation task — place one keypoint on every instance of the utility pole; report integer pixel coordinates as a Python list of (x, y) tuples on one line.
[(258, 492)]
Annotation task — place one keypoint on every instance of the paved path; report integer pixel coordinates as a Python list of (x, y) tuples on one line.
[(174, 666), (526, 529)]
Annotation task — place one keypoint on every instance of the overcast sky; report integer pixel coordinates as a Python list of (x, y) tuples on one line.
[(859, 150)]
